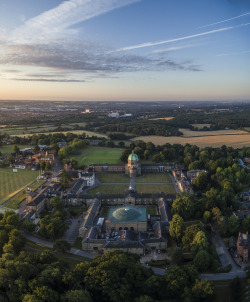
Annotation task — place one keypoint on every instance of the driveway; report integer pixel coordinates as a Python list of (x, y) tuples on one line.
[(72, 233)]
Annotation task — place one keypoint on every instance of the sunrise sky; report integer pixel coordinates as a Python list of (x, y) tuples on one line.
[(141, 50)]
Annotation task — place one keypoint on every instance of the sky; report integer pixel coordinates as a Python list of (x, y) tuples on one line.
[(125, 50)]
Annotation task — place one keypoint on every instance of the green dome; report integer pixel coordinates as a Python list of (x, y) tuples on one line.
[(126, 214), (133, 157)]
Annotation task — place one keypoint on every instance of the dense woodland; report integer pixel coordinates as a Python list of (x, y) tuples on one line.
[(30, 276)]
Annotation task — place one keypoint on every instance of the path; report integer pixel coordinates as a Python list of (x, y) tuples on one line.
[(50, 244)]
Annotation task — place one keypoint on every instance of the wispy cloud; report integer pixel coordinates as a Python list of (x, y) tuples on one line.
[(47, 80), (57, 21), (233, 53), (226, 20), (174, 48), (150, 44)]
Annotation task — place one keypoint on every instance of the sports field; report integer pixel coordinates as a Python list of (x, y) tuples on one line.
[(11, 183), (98, 155), (154, 178), (7, 149)]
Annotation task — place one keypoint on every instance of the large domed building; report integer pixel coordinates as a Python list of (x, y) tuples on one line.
[(133, 167), (127, 218)]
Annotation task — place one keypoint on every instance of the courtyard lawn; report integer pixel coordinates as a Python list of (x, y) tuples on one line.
[(168, 189), (98, 155), (111, 189), (151, 210), (15, 201), (154, 178), (105, 211), (11, 183), (113, 178)]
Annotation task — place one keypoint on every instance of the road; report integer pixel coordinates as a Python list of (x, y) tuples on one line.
[(50, 244)]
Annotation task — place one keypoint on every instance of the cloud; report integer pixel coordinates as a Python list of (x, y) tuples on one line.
[(58, 20), (226, 20), (48, 80), (150, 44), (233, 53), (174, 48)]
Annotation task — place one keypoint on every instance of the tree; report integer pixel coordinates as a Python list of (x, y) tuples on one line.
[(177, 227), (200, 242), (61, 245), (189, 235), (16, 150), (207, 217), (246, 224), (56, 203), (109, 277), (203, 290), (124, 156), (121, 144), (183, 206), (202, 260), (177, 255), (65, 179), (29, 226), (77, 296), (176, 279), (200, 182), (17, 240), (48, 166)]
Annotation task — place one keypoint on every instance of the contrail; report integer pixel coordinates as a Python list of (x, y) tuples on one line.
[(225, 20), (149, 44)]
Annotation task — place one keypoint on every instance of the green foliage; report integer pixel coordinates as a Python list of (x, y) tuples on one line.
[(183, 206), (177, 227), (65, 179), (61, 245), (177, 255), (202, 260), (52, 227), (56, 203), (200, 242), (189, 235), (77, 296), (104, 272), (28, 226), (203, 290)]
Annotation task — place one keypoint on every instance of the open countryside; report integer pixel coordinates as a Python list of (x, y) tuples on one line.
[(236, 141)]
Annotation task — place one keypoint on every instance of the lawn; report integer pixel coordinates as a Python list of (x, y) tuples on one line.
[(14, 202), (154, 178), (168, 189), (11, 183), (151, 210), (109, 189), (98, 155), (7, 149), (113, 178)]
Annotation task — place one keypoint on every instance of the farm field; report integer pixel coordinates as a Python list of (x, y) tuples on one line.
[(168, 189), (153, 178), (89, 133), (7, 149), (113, 178), (109, 189), (17, 130), (98, 155), (162, 118), (11, 183), (236, 141), (190, 133)]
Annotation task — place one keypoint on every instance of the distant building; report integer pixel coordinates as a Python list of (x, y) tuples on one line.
[(42, 156), (243, 246), (192, 174), (113, 114)]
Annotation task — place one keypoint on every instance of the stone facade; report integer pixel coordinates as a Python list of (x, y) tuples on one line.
[(243, 246)]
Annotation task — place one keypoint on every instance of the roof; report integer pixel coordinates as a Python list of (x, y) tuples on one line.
[(133, 157), (127, 214)]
